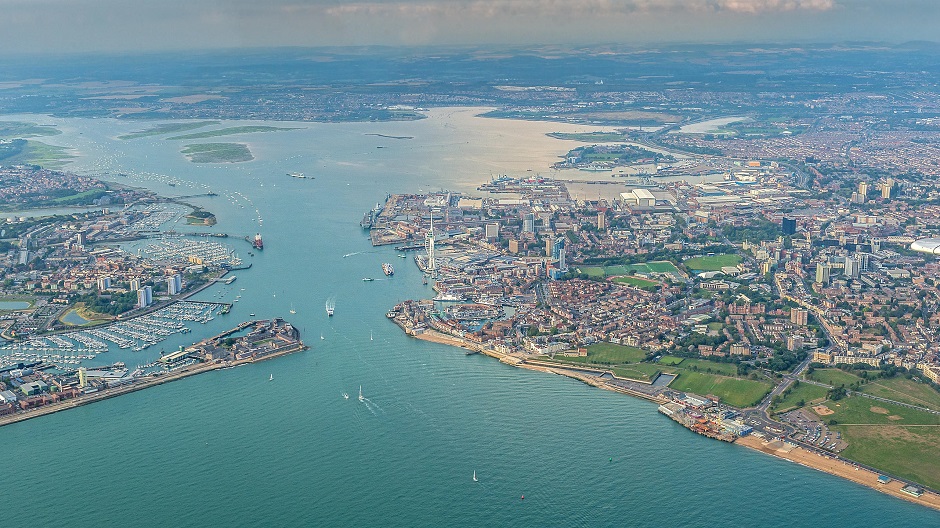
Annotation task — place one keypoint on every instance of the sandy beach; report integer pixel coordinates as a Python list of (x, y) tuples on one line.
[(779, 449), (838, 468)]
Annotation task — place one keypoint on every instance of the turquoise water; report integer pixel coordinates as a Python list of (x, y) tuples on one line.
[(232, 448)]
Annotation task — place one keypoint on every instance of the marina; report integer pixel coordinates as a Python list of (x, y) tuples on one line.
[(73, 347), (177, 249)]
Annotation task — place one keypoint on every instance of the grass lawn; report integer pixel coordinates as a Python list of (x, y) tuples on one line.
[(662, 266), (733, 391), (806, 392), (728, 369), (904, 390), (834, 377), (615, 354), (712, 263), (904, 451), (671, 360), (592, 271), (861, 410), (643, 284)]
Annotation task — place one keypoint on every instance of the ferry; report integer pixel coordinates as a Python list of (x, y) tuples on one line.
[(388, 269)]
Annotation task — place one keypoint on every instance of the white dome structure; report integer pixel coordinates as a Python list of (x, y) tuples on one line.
[(927, 245)]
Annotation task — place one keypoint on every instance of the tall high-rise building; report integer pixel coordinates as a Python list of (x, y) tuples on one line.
[(174, 284), (851, 268), (862, 261), (799, 316), (429, 246), (528, 223), (601, 220), (104, 283), (863, 190), (558, 253), (887, 188), (144, 297), (135, 284), (822, 273), (788, 226)]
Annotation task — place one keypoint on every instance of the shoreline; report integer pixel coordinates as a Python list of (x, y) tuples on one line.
[(138, 385), (839, 468), (785, 451)]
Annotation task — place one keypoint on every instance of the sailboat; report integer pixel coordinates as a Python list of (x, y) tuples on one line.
[(271, 378), (361, 398), (321, 335), (345, 396), (370, 335), (292, 310), (475, 475)]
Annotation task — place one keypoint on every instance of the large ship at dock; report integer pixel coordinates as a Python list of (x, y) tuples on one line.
[(370, 217), (388, 269), (257, 243)]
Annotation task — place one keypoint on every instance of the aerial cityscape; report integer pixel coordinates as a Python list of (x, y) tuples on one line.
[(380, 282)]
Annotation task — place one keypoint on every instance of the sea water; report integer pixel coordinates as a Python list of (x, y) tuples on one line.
[(231, 448)]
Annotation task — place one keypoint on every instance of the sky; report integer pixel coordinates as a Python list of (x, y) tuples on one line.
[(59, 26)]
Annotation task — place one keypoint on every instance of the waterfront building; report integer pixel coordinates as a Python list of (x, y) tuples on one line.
[(144, 297), (174, 284)]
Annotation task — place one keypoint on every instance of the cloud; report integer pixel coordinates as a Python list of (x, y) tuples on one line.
[(503, 8)]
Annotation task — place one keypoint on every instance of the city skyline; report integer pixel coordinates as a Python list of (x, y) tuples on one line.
[(55, 26)]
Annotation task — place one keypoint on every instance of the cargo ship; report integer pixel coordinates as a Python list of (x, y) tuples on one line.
[(388, 269), (257, 242)]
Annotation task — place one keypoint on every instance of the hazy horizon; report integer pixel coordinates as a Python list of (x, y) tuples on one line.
[(60, 26)]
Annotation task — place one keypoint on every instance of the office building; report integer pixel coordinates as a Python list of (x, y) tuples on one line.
[(789, 226)]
